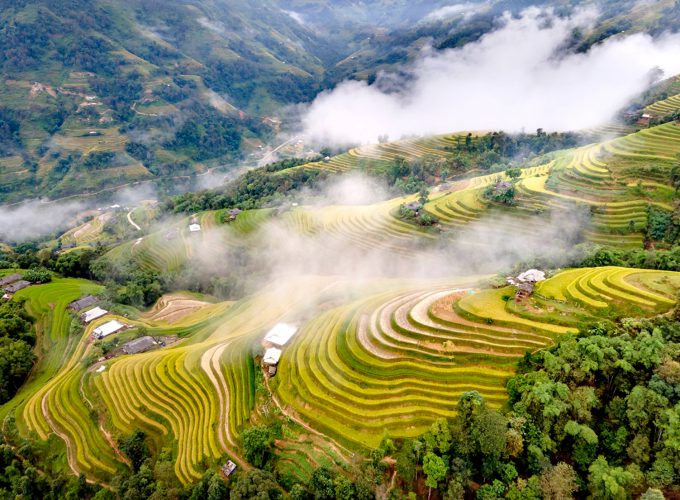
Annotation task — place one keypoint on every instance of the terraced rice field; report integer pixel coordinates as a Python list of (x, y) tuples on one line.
[(462, 202), (590, 176), (398, 360), (53, 378), (390, 361), (375, 156), (369, 227), (12, 169), (664, 107), (657, 143), (88, 231), (80, 139), (299, 456)]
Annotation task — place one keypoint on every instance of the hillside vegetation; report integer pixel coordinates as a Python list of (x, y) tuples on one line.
[(196, 397)]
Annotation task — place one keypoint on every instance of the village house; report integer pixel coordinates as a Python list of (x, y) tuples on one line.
[(271, 358), (228, 468), (92, 314), (10, 279), (142, 344), (273, 341), (109, 328), (233, 213), (279, 335), (80, 304), (644, 119), (413, 205), (16, 286), (525, 282)]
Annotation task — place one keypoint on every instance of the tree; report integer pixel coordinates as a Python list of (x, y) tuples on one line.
[(435, 469), (344, 488), (298, 492), (257, 443), (135, 448), (255, 484), (422, 195), (454, 491), (607, 482), (493, 491), (489, 433), (217, 489), (407, 462), (652, 494), (75, 264), (558, 482), (321, 484), (439, 436), (514, 173), (16, 361), (38, 275)]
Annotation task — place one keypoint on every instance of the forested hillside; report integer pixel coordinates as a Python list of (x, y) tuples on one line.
[(96, 94), (100, 94)]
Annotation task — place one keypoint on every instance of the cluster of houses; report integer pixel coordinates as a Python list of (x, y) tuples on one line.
[(89, 314), (11, 284), (525, 282), (274, 342)]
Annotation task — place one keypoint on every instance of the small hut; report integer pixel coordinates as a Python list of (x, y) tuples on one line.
[(113, 326), (16, 286), (92, 314), (228, 468), (233, 213), (10, 279), (78, 305), (142, 344), (525, 283)]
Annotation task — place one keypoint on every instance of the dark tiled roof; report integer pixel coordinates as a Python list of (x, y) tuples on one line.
[(10, 279), (139, 345), (79, 304), (19, 285)]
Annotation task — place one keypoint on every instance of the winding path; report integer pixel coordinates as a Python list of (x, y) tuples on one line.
[(129, 218)]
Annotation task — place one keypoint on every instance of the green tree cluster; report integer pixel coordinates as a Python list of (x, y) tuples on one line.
[(596, 416), (16, 347)]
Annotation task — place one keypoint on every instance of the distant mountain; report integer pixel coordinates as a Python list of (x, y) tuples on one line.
[(99, 93), (102, 93)]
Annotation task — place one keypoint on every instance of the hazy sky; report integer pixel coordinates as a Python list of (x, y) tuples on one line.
[(514, 78)]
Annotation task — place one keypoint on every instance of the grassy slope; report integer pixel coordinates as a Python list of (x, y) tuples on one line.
[(391, 360)]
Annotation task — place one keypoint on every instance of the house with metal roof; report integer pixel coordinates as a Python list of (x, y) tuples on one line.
[(272, 356), (109, 328), (92, 314), (280, 334)]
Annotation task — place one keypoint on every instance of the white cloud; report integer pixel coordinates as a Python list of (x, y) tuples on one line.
[(33, 219), (295, 16), (513, 78), (465, 9)]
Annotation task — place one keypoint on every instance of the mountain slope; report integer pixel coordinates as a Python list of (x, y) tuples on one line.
[(97, 94)]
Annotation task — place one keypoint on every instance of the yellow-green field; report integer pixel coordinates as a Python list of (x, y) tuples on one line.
[(391, 358)]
